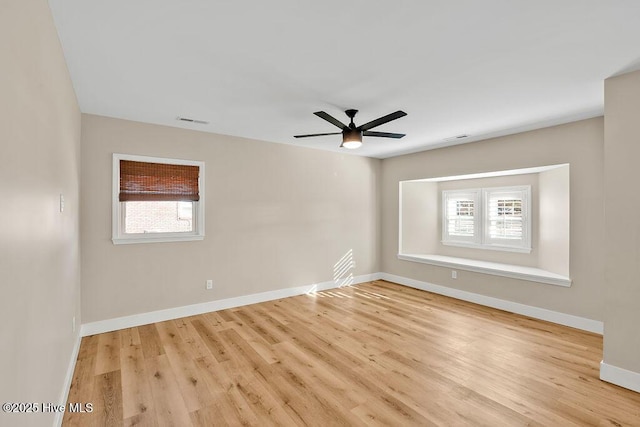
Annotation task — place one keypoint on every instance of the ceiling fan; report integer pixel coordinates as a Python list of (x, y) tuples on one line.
[(352, 134)]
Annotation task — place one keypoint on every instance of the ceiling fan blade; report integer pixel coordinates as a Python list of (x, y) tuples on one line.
[(382, 120), (317, 134), (330, 119), (383, 134)]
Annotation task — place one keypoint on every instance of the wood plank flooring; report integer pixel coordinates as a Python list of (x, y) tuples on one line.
[(372, 354)]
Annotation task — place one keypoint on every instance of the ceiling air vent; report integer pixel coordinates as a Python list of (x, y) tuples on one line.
[(187, 119), (455, 138)]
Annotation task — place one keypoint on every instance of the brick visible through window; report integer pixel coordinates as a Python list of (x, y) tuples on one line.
[(158, 217)]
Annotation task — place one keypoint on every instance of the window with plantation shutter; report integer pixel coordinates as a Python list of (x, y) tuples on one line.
[(460, 217), (498, 220), (157, 200), (507, 219)]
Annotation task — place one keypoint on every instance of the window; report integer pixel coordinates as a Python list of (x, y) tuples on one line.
[(157, 200), (507, 221), (461, 222), (499, 220)]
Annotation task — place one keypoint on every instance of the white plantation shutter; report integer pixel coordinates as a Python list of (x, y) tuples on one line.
[(461, 216), (506, 217), (498, 220)]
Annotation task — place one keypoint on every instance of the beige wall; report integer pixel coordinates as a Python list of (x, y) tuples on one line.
[(581, 145), (622, 154), (39, 246), (419, 218), (277, 216), (555, 220)]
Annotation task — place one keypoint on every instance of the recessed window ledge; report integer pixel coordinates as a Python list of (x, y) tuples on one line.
[(505, 270), (158, 239)]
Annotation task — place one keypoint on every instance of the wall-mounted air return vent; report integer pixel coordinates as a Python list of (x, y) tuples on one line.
[(190, 120)]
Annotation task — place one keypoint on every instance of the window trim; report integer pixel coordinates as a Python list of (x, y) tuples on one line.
[(482, 240), (118, 236)]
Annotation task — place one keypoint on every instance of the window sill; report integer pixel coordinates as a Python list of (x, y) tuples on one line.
[(488, 246), (505, 270), (159, 239)]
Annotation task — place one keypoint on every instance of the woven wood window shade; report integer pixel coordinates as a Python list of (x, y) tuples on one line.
[(142, 181)]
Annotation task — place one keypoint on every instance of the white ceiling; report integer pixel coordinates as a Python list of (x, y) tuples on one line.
[(259, 69)]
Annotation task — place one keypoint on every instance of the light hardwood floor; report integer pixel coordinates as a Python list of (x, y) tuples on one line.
[(372, 354)]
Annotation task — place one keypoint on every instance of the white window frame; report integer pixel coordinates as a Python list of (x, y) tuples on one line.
[(449, 239), (119, 237), (481, 238)]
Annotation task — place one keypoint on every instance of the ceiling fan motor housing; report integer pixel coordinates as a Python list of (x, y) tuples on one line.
[(351, 138), (351, 134)]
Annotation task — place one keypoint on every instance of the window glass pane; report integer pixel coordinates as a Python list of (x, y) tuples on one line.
[(460, 217), (505, 218), (185, 211), (158, 217)]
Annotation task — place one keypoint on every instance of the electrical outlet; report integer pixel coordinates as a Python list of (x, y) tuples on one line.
[(61, 203), (209, 284), (454, 274)]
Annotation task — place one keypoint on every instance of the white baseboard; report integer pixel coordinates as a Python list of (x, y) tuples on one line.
[(57, 421), (194, 309), (513, 307), (206, 307), (618, 376)]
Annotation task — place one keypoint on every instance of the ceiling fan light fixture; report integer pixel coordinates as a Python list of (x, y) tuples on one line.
[(351, 144), (351, 139), (352, 134)]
